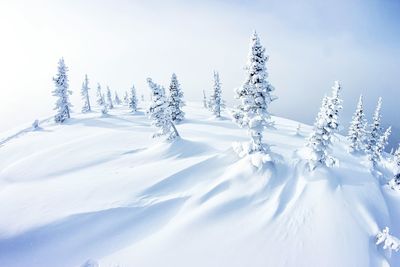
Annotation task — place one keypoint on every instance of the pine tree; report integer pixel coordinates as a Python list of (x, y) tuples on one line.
[(204, 99), (215, 103), (160, 113), (63, 106), (383, 141), (255, 96), (85, 95), (397, 158), (357, 129), (132, 100), (101, 101), (117, 101), (109, 99), (126, 98), (175, 100), (326, 124), (374, 134)]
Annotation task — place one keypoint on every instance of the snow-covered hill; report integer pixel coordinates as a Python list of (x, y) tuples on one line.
[(99, 189)]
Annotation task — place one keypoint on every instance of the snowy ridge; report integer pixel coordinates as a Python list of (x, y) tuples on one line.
[(98, 188)]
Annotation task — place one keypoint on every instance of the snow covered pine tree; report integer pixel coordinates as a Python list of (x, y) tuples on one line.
[(132, 100), (117, 101), (175, 100), (255, 96), (160, 113), (326, 124), (357, 130), (101, 101), (126, 98), (215, 103), (204, 99), (109, 98), (85, 95), (63, 106), (374, 135)]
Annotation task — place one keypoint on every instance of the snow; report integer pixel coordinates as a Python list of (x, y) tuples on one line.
[(99, 191)]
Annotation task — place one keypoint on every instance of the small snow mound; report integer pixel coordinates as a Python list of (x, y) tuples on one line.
[(181, 148), (390, 242)]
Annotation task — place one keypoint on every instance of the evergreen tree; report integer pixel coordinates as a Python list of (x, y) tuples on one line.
[(175, 100), (109, 98), (85, 95), (101, 101), (117, 101), (397, 158), (215, 103), (204, 99), (255, 96), (374, 134), (63, 106), (383, 141), (126, 98), (132, 101), (357, 129), (160, 113), (326, 124)]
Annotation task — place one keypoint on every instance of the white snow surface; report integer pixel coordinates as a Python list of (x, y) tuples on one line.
[(98, 191)]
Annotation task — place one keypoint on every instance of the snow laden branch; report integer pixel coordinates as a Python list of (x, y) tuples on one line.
[(255, 97), (389, 242), (160, 112), (63, 106), (325, 126)]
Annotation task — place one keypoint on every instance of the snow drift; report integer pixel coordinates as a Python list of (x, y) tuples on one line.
[(97, 191)]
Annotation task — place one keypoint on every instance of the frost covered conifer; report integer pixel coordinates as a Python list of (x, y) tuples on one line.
[(132, 100), (175, 100), (383, 141), (101, 101), (126, 98), (357, 129), (117, 101), (63, 106), (204, 99), (326, 124), (85, 95), (397, 157), (109, 99), (255, 97), (374, 134), (215, 103), (160, 113)]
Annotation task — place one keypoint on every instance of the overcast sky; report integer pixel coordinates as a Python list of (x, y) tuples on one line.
[(120, 43)]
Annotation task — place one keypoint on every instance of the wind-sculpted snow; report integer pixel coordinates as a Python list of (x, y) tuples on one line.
[(99, 190)]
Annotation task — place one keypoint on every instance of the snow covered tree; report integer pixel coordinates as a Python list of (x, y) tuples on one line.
[(160, 113), (397, 158), (132, 100), (357, 129), (215, 103), (389, 242), (101, 101), (374, 134), (85, 95), (63, 106), (326, 124), (117, 101), (255, 97), (204, 99), (109, 99), (175, 100), (126, 98)]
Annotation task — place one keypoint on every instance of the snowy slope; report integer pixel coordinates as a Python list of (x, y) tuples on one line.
[(100, 189)]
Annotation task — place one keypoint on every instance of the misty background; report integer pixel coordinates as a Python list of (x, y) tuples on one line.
[(119, 43)]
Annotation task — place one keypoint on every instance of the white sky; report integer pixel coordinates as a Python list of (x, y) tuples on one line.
[(121, 42)]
